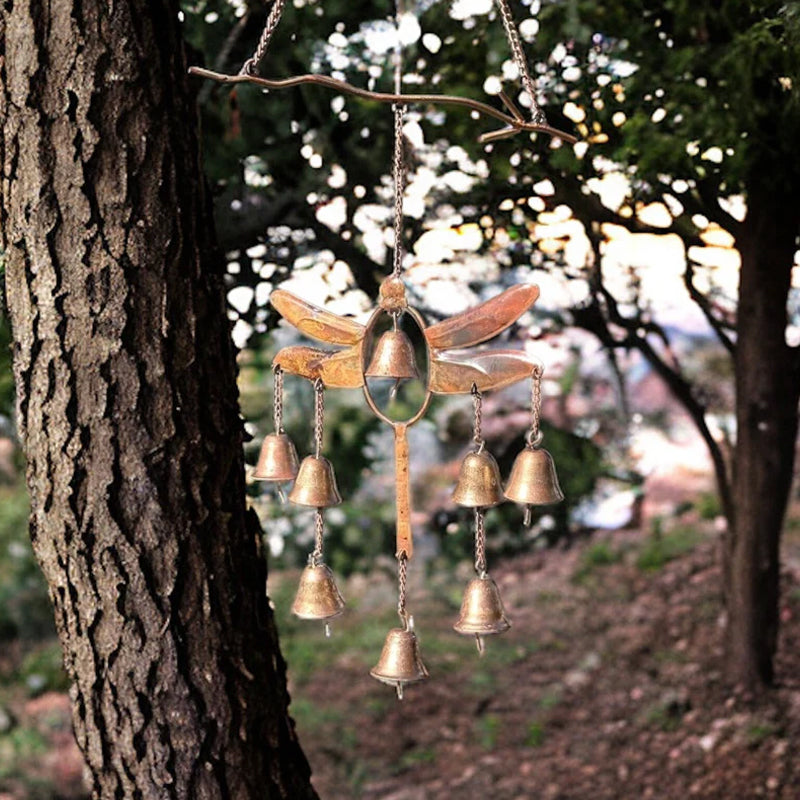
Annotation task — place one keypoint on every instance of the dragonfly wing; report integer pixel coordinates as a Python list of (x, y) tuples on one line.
[(483, 322), (316, 322), (338, 369), (342, 370), (300, 360), (493, 369)]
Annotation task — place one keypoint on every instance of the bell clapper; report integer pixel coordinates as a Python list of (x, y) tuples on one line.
[(480, 644), (327, 630), (528, 519), (281, 495)]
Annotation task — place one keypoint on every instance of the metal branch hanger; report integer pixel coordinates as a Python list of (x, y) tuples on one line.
[(514, 120), (453, 366)]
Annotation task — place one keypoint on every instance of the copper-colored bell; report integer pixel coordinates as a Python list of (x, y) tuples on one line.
[(278, 459), (317, 595), (393, 357), (315, 484), (533, 479), (482, 611), (479, 484), (400, 661)]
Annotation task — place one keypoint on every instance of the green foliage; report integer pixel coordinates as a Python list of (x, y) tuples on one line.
[(7, 397), (664, 717), (20, 744), (596, 555), (759, 731), (536, 734), (709, 505), (487, 729), (25, 609), (661, 549), (42, 670)]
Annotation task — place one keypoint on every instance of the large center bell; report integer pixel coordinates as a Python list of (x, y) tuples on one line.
[(479, 484), (393, 357)]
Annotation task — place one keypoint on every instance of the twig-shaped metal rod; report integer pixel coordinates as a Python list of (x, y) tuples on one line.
[(515, 122)]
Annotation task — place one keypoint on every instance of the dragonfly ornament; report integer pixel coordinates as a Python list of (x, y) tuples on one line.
[(453, 366)]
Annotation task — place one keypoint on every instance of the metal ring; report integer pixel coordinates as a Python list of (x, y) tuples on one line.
[(420, 322), (533, 440)]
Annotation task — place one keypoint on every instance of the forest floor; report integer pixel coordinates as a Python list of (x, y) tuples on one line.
[(608, 685)]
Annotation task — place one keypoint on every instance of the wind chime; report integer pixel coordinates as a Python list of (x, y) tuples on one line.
[(533, 480)]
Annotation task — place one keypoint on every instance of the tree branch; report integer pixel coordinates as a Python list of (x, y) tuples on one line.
[(719, 326), (593, 319)]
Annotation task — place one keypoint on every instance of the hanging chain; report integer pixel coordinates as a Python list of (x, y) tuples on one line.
[(534, 436), (480, 543), (251, 65), (277, 398), (319, 415), (477, 406), (402, 587), (399, 168), (512, 34), (319, 531)]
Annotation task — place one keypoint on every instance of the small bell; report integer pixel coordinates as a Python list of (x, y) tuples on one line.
[(479, 484), (317, 595), (393, 357), (315, 484), (482, 612), (278, 459), (400, 661), (533, 479)]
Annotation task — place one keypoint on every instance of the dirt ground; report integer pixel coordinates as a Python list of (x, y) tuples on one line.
[(609, 685)]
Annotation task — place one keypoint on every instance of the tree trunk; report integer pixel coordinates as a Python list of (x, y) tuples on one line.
[(767, 389), (129, 413)]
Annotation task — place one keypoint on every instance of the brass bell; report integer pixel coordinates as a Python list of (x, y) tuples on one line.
[(533, 479), (317, 595), (315, 484), (277, 460), (400, 662), (393, 357), (479, 484), (482, 612)]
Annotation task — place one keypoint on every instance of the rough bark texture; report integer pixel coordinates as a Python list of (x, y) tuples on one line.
[(767, 388), (128, 409)]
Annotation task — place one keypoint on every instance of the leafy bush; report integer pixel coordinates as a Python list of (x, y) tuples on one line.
[(25, 610), (660, 549)]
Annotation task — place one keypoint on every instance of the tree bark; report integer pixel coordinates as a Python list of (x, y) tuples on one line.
[(129, 411), (767, 389)]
